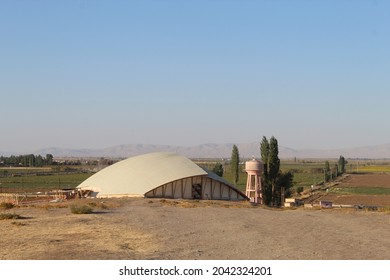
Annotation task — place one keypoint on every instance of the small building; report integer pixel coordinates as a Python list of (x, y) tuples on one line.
[(292, 202), (326, 204)]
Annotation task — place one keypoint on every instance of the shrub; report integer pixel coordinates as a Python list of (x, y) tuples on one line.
[(6, 205), (9, 216), (80, 209)]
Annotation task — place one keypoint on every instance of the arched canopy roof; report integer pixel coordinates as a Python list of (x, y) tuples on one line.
[(137, 175)]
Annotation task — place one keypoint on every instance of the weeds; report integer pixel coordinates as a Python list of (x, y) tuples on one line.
[(81, 209), (385, 209), (19, 224), (6, 205), (9, 216), (100, 205)]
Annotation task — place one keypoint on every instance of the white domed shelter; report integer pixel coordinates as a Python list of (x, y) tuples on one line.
[(165, 175)]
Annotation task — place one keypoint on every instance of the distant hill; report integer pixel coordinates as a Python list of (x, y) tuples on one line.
[(219, 151)]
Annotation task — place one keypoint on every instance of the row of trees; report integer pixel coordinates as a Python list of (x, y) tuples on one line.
[(339, 169), (27, 160)]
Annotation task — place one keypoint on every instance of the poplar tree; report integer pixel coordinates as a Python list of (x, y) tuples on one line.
[(342, 164), (264, 152), (274, 166), (326, 171), (235, 162), (270, 156)]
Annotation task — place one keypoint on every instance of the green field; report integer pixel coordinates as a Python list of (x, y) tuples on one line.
[(362, 190), (373, 169), (33, 183)]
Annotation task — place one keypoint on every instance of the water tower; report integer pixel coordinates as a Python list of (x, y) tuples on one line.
[(254, 168)]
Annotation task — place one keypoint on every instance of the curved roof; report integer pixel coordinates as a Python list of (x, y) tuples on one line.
[(142, 173)]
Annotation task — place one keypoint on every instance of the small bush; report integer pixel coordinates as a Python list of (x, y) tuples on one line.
[(103, 206), (6, 205), (100, 205), (92, 204), (80, 209), (9, 216)]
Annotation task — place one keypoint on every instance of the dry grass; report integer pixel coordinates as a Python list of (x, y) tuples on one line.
[(19, 224), (207, 203), (80, 209), (384, 209), (6, 205), (9, 216), (49, 206)]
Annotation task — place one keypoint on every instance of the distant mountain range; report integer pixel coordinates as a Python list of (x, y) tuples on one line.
[(219, 151)]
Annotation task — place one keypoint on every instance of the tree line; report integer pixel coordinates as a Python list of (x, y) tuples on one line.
[(338, 169), (29, 160)]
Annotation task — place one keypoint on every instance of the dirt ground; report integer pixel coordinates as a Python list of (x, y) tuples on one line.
[(366, 180), (170, 229)]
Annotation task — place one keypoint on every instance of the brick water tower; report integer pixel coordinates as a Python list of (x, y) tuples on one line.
[(254, 168)]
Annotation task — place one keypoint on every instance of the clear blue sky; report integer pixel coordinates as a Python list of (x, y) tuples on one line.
[(92, 74)]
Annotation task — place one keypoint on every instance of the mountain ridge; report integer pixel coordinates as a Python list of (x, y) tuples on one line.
[(214, 150)]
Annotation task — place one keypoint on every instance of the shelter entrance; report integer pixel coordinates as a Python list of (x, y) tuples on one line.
[(197, 191)]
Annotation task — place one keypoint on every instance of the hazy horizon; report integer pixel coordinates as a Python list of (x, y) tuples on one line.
[(184, 146), (96, 74)]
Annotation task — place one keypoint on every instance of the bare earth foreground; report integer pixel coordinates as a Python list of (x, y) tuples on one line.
[(168, 229)]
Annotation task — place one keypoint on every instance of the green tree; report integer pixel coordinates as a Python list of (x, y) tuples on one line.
[(235, 163), (285, 180), (273, 167), (326, 171), (264, 152), (39, 161), (341, 164), (266, 186), (269, 151), (218, 169), (49, 159)]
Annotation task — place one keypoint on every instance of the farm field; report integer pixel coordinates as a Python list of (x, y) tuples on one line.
[(39, 180), (366, 189)]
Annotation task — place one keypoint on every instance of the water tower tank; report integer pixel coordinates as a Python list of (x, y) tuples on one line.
[(254, 165)]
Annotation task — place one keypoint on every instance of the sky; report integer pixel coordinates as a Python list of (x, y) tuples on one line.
[(94, 74)]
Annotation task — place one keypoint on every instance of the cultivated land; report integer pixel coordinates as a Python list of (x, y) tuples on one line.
[(178, 229), (362, 189)]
